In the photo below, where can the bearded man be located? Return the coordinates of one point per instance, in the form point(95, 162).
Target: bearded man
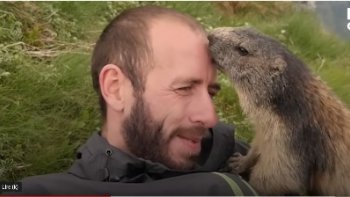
point(160, 135)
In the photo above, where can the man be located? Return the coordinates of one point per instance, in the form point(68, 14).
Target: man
point(155, 81)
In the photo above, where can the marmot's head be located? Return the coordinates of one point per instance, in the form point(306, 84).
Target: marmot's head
point(256, 64)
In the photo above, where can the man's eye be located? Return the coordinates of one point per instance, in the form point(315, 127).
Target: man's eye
point(212, 93)
point(213, 90)
point(186, 90)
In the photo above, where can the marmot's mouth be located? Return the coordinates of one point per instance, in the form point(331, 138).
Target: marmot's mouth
point(216, 64)
point(213, 61)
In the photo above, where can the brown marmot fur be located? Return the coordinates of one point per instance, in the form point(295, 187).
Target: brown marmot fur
point(302, 139)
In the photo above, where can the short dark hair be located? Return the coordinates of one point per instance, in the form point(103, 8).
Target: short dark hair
point(124, 42)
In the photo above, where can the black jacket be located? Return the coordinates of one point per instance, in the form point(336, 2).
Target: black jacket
point(101, 169)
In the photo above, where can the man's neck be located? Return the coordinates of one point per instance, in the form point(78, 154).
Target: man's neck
point(114, 136)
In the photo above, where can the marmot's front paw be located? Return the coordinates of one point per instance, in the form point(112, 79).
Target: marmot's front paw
point(237, 163)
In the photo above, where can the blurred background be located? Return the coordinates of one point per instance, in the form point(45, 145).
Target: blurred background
point(47, 104)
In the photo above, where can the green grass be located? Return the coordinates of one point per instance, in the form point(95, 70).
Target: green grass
point(47, 110)
point(47, 105)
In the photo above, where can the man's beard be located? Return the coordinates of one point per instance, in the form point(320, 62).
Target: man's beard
point(145, 137)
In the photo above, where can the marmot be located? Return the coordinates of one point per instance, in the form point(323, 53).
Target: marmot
point(302, 139)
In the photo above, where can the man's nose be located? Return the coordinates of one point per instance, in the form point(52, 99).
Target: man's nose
point(203, 112)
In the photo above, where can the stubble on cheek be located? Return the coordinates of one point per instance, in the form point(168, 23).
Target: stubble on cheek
point(149, 139)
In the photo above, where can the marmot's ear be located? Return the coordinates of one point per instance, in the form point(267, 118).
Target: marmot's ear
point(278, 64)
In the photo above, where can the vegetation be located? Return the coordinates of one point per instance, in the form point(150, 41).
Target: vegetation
point(47, 105)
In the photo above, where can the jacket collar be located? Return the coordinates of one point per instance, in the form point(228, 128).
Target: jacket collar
point(100, 161)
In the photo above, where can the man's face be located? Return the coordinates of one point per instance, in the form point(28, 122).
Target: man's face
point(168, 122)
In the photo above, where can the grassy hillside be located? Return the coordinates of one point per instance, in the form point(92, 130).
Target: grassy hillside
point(47, 105)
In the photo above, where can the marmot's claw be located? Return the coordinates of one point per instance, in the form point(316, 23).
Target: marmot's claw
point(236, 157)
point(236, 163)
point(237, 154)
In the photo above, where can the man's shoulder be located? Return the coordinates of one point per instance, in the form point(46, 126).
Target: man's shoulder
point(218, 147)
point(203, 183)
point(207, 184)
point(224, 128)
point(47, 184)
point(46, 177)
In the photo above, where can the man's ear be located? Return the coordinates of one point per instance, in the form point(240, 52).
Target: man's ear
point(111, 81)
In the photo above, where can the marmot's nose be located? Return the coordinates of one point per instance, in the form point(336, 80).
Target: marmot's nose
point(218, 34)
point(211, 38)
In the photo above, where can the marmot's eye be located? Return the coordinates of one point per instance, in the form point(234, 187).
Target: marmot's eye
point(242, 51)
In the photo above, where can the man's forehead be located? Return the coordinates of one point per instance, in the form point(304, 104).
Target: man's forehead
point(171, 26)
point(175, 44)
